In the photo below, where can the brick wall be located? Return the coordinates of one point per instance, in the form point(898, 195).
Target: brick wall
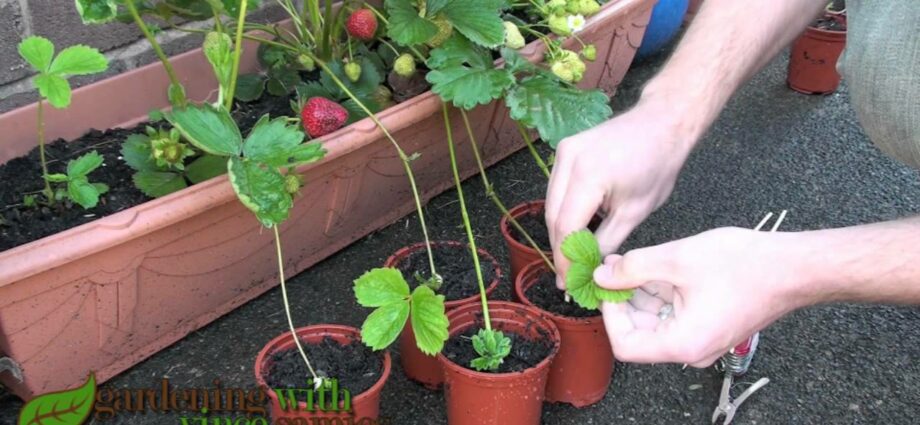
point(58, 21)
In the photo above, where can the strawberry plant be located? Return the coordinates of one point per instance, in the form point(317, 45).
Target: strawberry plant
point(78, 187)
point(582, 249)
point(53, 87)
point(164, 164)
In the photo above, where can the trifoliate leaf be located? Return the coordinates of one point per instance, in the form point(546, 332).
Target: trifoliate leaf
point(492, 346)
point(381, 286)
point(206, 167)
point(429, 322)
point(582, 249)
point(261, 189)
point(458, 50)
point(84, 165)
point(208, 128)
point(478, 20)
point(271, 142)
point(78, 60)
point(38, 52)
point(158, 183)
point(384, 324)
point(406, 27)
point(555, 109)
point(84, 193)
point(467, 87)
point(53, 88)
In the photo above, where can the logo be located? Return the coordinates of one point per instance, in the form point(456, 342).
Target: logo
point(69, 407)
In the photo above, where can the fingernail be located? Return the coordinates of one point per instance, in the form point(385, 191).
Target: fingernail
point(603, 274)
point(560, 282)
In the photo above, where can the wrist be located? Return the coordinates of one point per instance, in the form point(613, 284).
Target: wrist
point(672, 108)
point(805, 279)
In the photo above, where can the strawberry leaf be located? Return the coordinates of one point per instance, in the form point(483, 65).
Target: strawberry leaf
point(582, 249)
point(261, 189)
point(208, 128)
point(84, 193)
point(555, 109)
point(53, 88)
point(429, 322)
point(271, 141)
point(63, 407)
point(464, 74)
point(97, 11)
point(250, 87)
point(136, 153)
point(380, 287)
point(384, 324)
point(371, 77)
point(38, 52)
point(84, 165)
point(406, 27)
point(206, 167)
point(158, 183)
point(478, 20)
point(78, 60)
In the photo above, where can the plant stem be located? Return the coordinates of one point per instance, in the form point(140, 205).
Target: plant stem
point(238, 51)
point(466, 220)
point(41, 150)
point(132, 8)
point(533, 150)
point(287, 305)
point(317, 23)
point(490, 192)
point(327, 29)
point(399, 151)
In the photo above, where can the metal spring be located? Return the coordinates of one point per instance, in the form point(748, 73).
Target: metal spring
point(738, 364)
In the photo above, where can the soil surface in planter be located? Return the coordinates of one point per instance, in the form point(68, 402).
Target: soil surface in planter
point(525, 353)
point(356, 367)
point(545, 295)
point(454, 264)
point(535, 225)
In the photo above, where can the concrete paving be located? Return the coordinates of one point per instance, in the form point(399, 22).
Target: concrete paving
point(771, 149)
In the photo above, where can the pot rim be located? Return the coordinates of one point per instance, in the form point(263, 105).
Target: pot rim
point(400, 254)
point(520, 288)
point(322, 330)
point(520, 210)
point(535, 314)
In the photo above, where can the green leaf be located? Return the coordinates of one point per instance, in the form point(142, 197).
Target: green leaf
point(38, 52)
point(96, 11)
point(556, 110)
point(53, 88)
point(612, 296)
point(579, 283)
point(84, 165)
point(435, 6)
point(232, 7)
point(516, 63)
point(355, 112)
point(381, 286)
point(136, 153)
point(210, 129)
point(218, 50)
point(406, 27)
point(313, 89)
point(250, 87)
point(158, 183)
point(69, 407)
point(458, 50)
point(384, 324)
point(467, 87)
point(261, 189)
point(492, 346)
point(306, 153)
point(81, 191)
point(57, 178)
point(206, 167)
point(101, 187)
point(478, 20)
point(429, 321)
point(271, 142)
point(371, 77)
point(582, 247)
point(78, 60)
point(282, 81)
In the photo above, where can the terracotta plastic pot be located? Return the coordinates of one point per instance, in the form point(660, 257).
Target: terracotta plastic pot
point(418, 366)
point(106, 295)
point(363, 405)
point(521, 253)
point(478, 398)
point(581, 373)
point(813, 60)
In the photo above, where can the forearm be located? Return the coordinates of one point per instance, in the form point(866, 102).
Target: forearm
point(729, 41)
point(870, 263)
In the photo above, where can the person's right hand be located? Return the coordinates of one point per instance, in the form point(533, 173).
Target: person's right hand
point(624, 169)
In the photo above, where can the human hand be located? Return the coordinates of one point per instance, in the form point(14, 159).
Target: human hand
point(722, 286)
point(624, 168)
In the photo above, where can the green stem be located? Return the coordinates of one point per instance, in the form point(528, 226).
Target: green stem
point(132, 8)
point(399, 151)
point(41, 150)
point(327, 29)
point(238, 51)
point(317, 22)
point(490, 192)
point(287, 305)
point(533, 150)
point(466, 219)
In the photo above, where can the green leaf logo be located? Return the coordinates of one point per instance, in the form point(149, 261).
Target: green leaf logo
point(70, 407)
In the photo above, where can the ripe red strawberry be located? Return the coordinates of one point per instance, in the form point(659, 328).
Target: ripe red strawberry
point(362, 24)
point(322, 116)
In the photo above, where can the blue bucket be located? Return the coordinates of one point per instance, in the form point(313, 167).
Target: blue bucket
point(667, 17)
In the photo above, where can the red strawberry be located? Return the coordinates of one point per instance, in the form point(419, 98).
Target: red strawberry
point(362, 24)
point(322, 116)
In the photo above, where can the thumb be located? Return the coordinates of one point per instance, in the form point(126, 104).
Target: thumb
point(631, 270)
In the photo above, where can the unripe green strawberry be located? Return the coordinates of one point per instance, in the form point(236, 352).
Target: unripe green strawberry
point(445, 30)
point(306, 62)
point(568, 66)
point(404, 65)
point(513, 37)
point(589, 52)
point(559, 25)
point(383, 96)
point(292, 183)
point(583, 7)
point(353, 71)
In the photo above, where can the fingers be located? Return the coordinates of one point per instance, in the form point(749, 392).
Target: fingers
point(577, 210)
point(555, 195)
point(643, 301)
point(616, 228)
point(649, 341)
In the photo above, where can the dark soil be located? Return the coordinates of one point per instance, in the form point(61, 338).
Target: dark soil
point(356, 367)
point(830, 24)
point(454, 264)
point(535, 226)
point(545, 295)
point(525, 353)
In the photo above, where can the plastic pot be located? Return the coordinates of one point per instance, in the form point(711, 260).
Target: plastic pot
point(521, 253)
point(581, 373)
point(364, 405)
point(478, 398)
point(813, 60)
point(418, 366)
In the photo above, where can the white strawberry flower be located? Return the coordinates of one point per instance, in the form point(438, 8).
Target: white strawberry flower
point(575, 22)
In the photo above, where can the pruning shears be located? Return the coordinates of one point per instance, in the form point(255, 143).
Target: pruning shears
point(738, 360)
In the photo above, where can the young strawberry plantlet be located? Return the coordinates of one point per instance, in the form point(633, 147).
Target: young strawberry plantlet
point(79, 189)
point(165, 164)
point(582, 249)
point(53, 87)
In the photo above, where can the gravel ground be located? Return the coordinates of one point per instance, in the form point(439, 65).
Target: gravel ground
point(772, 149)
